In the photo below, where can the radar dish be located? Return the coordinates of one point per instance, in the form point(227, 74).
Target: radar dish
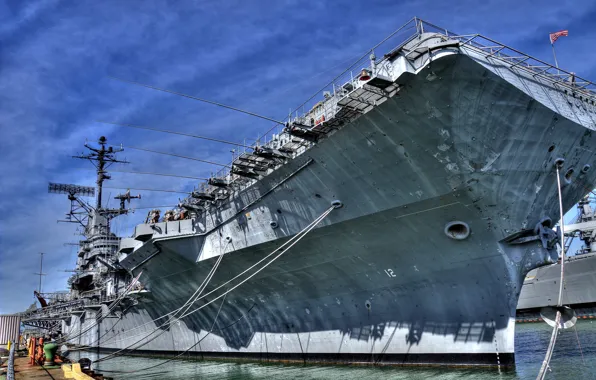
point(60, 188)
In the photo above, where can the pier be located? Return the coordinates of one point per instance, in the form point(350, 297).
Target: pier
point(24, 370)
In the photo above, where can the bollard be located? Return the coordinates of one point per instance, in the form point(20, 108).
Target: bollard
point(49, 350)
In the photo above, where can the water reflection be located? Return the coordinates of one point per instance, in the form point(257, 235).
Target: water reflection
point(531, 343)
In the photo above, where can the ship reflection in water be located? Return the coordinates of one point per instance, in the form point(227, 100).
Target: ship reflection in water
point(531, 341)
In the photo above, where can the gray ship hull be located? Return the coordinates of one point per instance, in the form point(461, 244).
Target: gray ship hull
point(541, 285)
point(379, 281)
point(334, 299)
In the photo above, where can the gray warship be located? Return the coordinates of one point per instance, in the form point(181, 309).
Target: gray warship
point(392, 223)
point(541, 284)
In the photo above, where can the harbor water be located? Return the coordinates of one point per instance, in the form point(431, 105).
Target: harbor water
point(531, 341)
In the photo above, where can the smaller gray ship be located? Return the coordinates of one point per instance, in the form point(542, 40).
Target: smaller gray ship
point(541, 285)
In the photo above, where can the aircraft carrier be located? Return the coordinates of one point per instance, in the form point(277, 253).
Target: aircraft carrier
point(392, 223)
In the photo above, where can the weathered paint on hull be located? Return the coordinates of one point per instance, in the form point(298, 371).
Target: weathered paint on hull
point(379, 281)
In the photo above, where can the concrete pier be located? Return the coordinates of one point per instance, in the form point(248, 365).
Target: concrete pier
point(26, 371)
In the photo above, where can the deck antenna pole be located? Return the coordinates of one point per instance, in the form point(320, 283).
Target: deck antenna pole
point(40, 270)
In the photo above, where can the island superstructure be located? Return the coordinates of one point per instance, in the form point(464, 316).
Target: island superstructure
point(414, 198)
point(97, 278)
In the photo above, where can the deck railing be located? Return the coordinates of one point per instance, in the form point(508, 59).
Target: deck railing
point(10, 365)
point(333, 91)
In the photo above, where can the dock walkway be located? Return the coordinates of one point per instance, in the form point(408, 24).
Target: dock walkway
point(26, 371)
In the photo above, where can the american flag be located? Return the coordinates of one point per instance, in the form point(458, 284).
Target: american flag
point(555, 36)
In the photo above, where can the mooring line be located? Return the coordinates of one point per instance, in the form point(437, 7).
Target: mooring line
point(291, 243)
point(553, 338)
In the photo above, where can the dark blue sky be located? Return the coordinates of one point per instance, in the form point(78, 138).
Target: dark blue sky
point(266, 56)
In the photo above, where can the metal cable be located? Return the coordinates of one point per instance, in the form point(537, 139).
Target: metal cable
point(291, 243)
point(308, 162)
point(201, 100)
point(346, 70)
point(176, 155)
point(158, 174)
point(115, 303)
point(209, 275)
point(264, 266)
point(174, 133)
point(191, 300)
point(579, 345)
point(157, 190)
point(158, 318)
point(234, 278)
point(188, 349)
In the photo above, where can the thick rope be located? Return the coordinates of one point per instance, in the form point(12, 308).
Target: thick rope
point(191, 300)
point(293, 242)
point(102, 316)
point(553, 338)
point(264, 266)
point(209, 276)
point(185, 351)
point(156, 319)
point(234, 278)
point(92, 344)
point(579, 345)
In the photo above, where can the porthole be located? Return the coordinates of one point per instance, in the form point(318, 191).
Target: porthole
point(457, 230)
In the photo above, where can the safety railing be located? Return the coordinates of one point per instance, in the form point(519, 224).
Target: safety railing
point(52, 311)
point(332, 92)
point(416, 27)
point(329, 95)
point(61, 296)
point(515, 59)
point(334, 89)
point(64, 310)
point(10, 365)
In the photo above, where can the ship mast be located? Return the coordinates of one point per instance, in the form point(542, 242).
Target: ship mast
point(101, 158)
point(100, 244)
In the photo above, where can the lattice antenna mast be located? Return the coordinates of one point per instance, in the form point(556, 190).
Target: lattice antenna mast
point(101, 158)
point(79, 209)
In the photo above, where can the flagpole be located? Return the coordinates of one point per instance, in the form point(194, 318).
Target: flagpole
point(555, 55)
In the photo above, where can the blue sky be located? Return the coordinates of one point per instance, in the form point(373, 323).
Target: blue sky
point(56, 59)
